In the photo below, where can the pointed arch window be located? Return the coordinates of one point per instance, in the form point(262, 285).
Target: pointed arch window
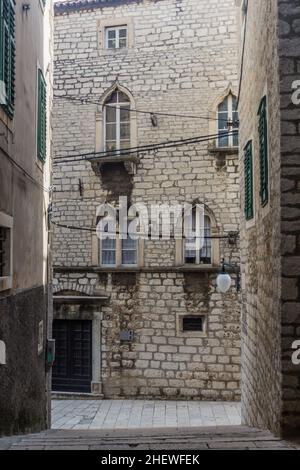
point(227, 112)
point(117, 135)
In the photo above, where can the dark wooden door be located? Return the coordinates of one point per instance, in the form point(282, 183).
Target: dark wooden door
point(72, 371)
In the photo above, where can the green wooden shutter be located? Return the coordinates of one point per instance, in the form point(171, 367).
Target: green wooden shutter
point(248, 164)
point(42, 117)
point(263, 152)
point(8, 52)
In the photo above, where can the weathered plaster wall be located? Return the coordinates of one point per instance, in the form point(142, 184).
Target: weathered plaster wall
point(23, 378)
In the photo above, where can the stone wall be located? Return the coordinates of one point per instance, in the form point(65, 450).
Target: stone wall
point(183, 59)
point(260, 238)
point(270, 317)
point(289, 68)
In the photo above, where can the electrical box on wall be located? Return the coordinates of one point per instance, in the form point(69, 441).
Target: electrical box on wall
point(127, 336)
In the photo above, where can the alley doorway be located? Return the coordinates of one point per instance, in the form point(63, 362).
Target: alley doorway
point(72, 370)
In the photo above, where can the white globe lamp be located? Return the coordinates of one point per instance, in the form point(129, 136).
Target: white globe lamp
point(223, 280)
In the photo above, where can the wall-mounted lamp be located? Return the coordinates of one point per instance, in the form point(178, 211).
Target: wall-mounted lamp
point(224, 279)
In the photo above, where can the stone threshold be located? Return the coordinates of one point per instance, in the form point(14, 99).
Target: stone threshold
point(75, 396)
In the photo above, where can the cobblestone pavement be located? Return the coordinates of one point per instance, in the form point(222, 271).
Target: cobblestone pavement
point(133, 414)
point(211, 438)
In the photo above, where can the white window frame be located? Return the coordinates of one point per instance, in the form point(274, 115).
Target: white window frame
point(117, 30)
point(118, 107)
point(198, 252)
point(6, 281)
point(119, 255)
point(230, 118)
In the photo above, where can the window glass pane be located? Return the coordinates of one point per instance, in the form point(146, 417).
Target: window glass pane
point(111, 33)
point(204, 256)
point(109, 251)
point(223, 141)
point(122, 98)
point(108, 244)
point(123, 33)
point(109, 257)
point(124, 115)
point(122, 43)
point(112, 44)
point(111, 114)
point(205, 253)
point(111, 132)
point(113, 98)
point(223, 120)
point(125, 131)
point(224, 105)
point(129, 251)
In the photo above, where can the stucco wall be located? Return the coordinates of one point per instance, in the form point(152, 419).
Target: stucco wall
point(22, 378)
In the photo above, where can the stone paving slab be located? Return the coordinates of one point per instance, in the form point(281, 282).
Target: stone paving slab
point(210, 438)
point(134, 414)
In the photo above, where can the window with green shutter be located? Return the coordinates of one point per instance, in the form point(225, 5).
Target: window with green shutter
point(263, 151)
point(7, 54)
point(248, 163)
point(41, 117)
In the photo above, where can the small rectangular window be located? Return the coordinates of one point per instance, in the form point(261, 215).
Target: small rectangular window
point(116, 37)
point(263, 151)
point(192, 323)
point(248, 165)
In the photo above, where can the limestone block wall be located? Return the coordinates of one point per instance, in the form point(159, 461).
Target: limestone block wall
point(182, 59)
point(289, 50)
point(260, 238)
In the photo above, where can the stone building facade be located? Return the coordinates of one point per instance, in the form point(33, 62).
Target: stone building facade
point(25, 307)
point(270, 232)
point(132, 322)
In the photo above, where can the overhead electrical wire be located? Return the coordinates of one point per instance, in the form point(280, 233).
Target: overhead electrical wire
point(28, 175)
point(133, 110)
point(92, 156)
point(117, 232)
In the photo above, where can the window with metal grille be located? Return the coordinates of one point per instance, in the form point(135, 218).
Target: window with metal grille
point(7, 55)
point(248, 164)
point(263, 151)
point(42, 117)
point(192, 323)
point(3, 251)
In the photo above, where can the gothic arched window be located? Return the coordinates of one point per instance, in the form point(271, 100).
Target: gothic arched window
point(117, 121)
point(227, 112)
